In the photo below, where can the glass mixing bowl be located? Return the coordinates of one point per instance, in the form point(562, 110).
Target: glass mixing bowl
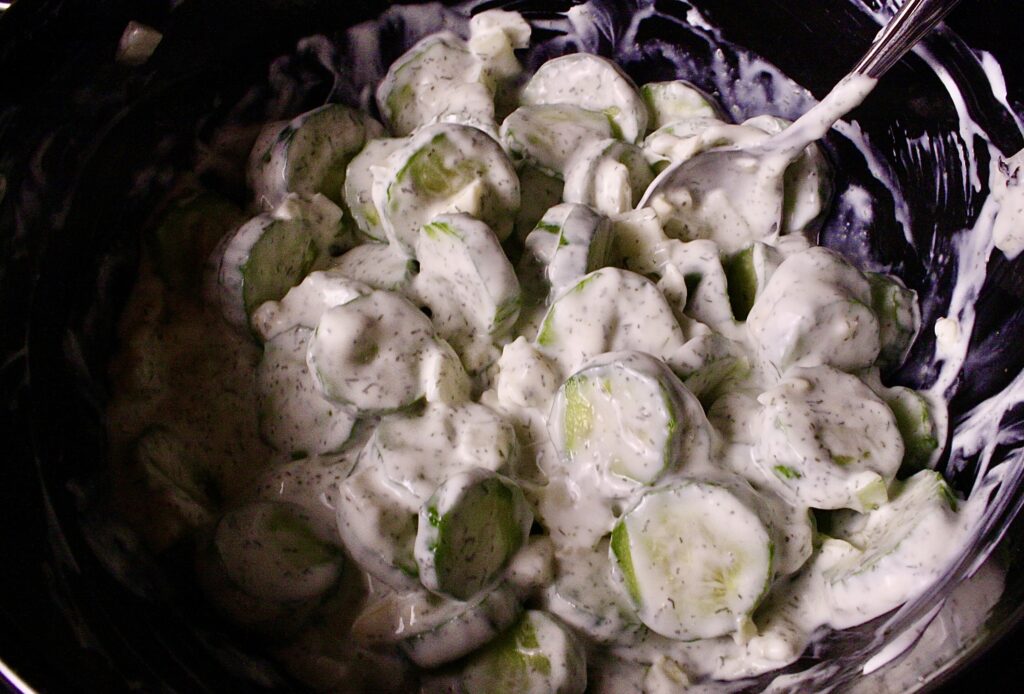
point(89, 146)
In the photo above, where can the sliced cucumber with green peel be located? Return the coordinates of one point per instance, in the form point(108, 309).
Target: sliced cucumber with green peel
point(358, 189)
point(269, 550)
point(539, 192)
point(331, 232)
point(682, 139)
point(569, 241)
point(815, 309)
point(807, 183)
point(828, 439)
point(747, 273)
point(584, 596)
point(608, 310)
point(369, 353)
point(695, 558)
point(468, 283)
point(294, 417)
point(313, 484)
point(261, 151)
point(627, 415)
point(668, 102)
point(494, 37)
point(700, 265)
point(433, 629)
point(538, 654)
point(378, 528)
point(186, 234)
point(584, 244)
point(921, 423)
point(608, 175)
point(468, 531)
point(378, 265)
point(437, 80)
point(304, 303)
point(418, 451)
point(454, 628)
point(742, 280)
point(899, 317)
point(904, 546)
point(447, 169)
point(592, 83)
point(265, 258)
point(310, 155)
point(549, 135)
point(710, 365)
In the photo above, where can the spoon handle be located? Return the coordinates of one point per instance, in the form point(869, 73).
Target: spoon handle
point(914, 19)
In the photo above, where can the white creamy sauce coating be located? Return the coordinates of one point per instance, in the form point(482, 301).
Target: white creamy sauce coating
point(360, 358)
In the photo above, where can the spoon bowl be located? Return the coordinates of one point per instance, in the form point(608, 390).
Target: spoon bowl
point(740, 187)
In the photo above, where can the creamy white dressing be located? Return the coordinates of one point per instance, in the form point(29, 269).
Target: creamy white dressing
point(373, 352)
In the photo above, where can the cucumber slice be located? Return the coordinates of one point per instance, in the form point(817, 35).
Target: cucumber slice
point(699, 263)
point(269, 551)
point(358, 189)
point(668, 102)
point(828, 439)
point(549, 135)
point(539, 192)
point(262, 149)
point(409, 96)
point(899, 317)
point(265, 258)
point(584, 596)
point(815, 310)
point(710, 365)
point(625, 414)
point(680, 140)
point(378, 265)
point(538, 251)
point(539, 654)
point(921, 424)
point(447, 168)
point(187, 233)
point(494, 37)
point(583, 244)
point(378, 528)
point(304, 303)
point(310, 155)
point(434, 630)
point(592, 83)
point(807, 183)
point(904, 546)
point(369, 353)
point(608, 310)
point(741, 276)
point(418, 452)
point(532, 568)
point(524, 377)
point(469, 285)
point(747, 273)
point(311, 484)
point(444, 378)
point(326, 220)
point(294, 418)
point(688, 576)
point(608, 175)
point(468, 531)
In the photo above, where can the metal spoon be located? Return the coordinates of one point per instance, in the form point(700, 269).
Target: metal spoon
point(740, 186)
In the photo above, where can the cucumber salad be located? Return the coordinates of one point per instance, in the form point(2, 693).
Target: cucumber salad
point(450, 412)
